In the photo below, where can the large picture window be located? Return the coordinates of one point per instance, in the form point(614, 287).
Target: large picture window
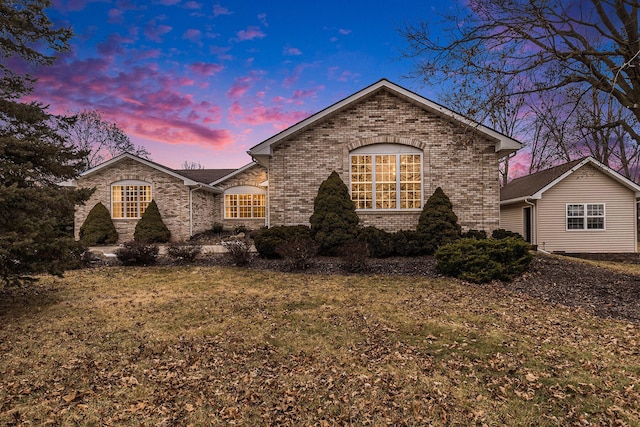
point(129, 199)
point(386, 181)
point(585, 216)
point(245, 202)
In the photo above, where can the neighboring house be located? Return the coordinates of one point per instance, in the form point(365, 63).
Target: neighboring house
point(580, 206)
point(391, 147)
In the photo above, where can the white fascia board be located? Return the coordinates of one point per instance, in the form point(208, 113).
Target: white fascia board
point(519, 200)
point(232, 174)
point(206, 187)
point(146, 162)
point(504, 143)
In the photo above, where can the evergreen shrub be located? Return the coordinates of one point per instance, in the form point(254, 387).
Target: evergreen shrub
point(501, 233)
point(354, 256)
point(267, 240)
point(438, 223)
point(98, 228)
point(150, 228)
point(137, 253)
point(334, 220)
point(474, 234)
point(408, 243)
point(379, 243)
point(484, 260)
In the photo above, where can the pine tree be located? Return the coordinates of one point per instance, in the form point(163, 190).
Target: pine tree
point(334, 220)
point(98, 228)
point(151, 228)
point(34, 158)
point(438, 223)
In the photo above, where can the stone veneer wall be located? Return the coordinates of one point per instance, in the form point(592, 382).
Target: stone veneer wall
point(457, 159)
point(170, 194)
point(252, 176)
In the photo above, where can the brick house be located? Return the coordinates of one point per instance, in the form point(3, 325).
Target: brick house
point(391, 147)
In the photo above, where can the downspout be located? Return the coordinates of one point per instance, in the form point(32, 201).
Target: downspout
point(191, 212)
point(268, 224)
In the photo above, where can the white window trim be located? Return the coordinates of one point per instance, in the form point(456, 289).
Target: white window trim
point(388, 150)
point(585, 217)
point(124, 183)
point(244, 190)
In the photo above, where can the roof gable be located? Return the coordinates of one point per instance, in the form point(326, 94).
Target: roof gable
point(503, 145)
point(534, 185)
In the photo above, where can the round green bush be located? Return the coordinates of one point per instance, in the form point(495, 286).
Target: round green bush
point(268, 240)
point(379, 243)
point(151, 228)
point(408, 243)
point(482, 261)
point(98, 229)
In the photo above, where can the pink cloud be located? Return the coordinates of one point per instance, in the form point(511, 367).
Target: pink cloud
point(193, 35)
point(262, 115)
point(219, 10)
point(291, 51)
point(205, 69)
point(192, 5)
point(155, 32)
point(112, 45)
point(334, 73)
point(250, 33)
point(344, 32)
point(263, 19)
point(169, 2)
point(115, 16)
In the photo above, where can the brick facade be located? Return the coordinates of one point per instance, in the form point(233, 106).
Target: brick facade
point(253, 176)
point(461, 161)
point(169, 192)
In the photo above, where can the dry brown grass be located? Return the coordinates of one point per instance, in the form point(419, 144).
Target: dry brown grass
point(212, 346)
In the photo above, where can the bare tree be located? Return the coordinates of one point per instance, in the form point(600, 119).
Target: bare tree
point(579, 48)
point(191, 165)
point(101, 139)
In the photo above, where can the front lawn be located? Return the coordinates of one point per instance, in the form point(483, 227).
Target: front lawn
point(221, 345)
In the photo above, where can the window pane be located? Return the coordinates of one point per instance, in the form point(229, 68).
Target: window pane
point(231, 205)
point(117, 205)
point(575, 223)
point(596, 223)
point(575, 210)
point(410, 182)
point(361, 181)
point(595, 210)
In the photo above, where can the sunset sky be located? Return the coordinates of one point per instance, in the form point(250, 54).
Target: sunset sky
point(201, 81)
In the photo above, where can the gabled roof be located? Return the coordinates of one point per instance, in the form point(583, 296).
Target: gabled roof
point(534, 185)
point(188, 178)
point(504, 144)
point(204, 175)
point(233, 172)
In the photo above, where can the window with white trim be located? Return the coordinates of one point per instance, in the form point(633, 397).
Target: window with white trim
point(129, 199)
point(386, 176)
point(245, 202)
point(585, 216)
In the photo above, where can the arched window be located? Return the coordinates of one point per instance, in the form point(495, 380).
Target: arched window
point(245, 201)
point(129, 199)
point(386, 176)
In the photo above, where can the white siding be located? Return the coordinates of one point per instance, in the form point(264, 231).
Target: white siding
point(511, 217)
point(587, 185)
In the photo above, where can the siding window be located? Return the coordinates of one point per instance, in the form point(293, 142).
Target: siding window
point(585, 216)
point(129, 199)
point(386, 181)
point(244, 205)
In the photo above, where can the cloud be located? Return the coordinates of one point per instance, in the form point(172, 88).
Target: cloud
point(260, 114)
point(263, 19)
point(193, 35)
point(205, 69)
point(192, 5)
point(219, 10)
point(240, 86)
point(113, 45)
point(250, 33)
point(115, 16)
point(291, 51)
point(344, 32)
point(334, 73)
point(155, 32)
point(169, 2)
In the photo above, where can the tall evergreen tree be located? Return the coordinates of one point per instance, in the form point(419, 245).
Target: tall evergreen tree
point(438, 223)
point(151, 228)
point(34, 158)
point(334, 220)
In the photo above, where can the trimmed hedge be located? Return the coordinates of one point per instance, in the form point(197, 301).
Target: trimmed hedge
point(379, 243)
point(484, 260)
point(267, 241)
point(98, 228)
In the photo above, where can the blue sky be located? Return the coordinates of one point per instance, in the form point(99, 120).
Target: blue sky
point(201, 81)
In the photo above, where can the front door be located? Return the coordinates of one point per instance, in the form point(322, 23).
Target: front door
point(527, 224)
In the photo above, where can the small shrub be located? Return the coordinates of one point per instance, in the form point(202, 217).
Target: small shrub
point(267, 240)
point(379, 242)
point(501, 233)
point(481, 261)
point(240, 228)
point(137, 253)
point(217, 227)
point(438, 223)
point(334, 220)
point(238, 249)
point(150, 228)
point(354, 256)
point(98, 228)
point(474, 234)
point(298, 252)
point(408, 243)
point(183, 252)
